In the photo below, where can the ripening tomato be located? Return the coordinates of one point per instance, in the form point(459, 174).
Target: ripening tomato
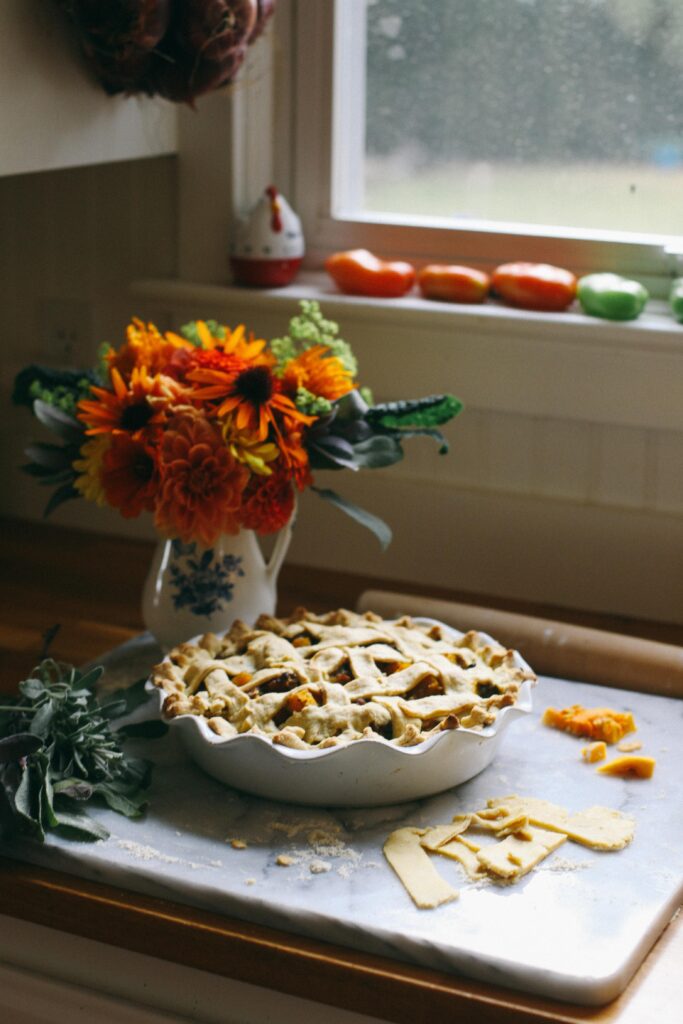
point(538, 286)
point(359, 272)
point(452, 283)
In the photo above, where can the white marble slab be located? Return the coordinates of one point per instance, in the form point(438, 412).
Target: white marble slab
point(575, 929)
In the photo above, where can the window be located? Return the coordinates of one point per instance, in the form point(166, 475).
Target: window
point(484, 130)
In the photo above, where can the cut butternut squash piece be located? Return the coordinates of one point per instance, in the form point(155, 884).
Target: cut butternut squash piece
point(594, 723)
point(594, 752)
point(630, 764)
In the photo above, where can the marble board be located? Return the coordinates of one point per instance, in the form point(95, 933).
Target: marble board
point(575, 929)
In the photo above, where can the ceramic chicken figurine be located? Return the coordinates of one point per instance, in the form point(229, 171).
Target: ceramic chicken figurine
point(268, 244)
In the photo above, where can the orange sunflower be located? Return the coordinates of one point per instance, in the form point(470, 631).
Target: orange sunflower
point(89, 468)
point(201, 483)
point(234, 342)
point(129, 475)
point(321, 374)
point(131, 407)
point(146, 347)
point(253, 395)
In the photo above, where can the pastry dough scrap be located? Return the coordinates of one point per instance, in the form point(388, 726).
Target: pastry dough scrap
point(598, 827)
point(419, 877)
point(514, 857)
point(465, 853)
point(601, 828)
point(539, 812)
point(439, 835)
point(312, 681)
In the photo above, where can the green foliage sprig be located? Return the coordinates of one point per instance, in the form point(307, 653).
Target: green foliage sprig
point(310, 328)
point(58, 751)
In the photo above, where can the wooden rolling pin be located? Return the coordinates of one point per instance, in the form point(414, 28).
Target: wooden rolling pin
point(552, 648)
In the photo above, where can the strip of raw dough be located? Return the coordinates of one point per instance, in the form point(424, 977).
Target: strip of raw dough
point(441, 834)
point(424, 884)
point(465, 853)
point(539, 812)
point(498, 820)
point(514, 857)
point(601, 828)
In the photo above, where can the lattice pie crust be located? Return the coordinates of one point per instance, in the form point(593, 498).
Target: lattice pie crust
point(314, 681)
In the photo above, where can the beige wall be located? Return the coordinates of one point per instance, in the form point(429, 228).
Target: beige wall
point(71, 243)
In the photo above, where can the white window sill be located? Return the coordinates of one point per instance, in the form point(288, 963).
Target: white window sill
point(656, 328)
point(564, 365)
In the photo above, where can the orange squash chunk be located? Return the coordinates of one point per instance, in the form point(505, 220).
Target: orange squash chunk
point(596, 751)
point(642, 767)
point(594, 723)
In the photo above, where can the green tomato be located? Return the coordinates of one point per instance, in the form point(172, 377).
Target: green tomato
point(611, 296)
point(676, 299)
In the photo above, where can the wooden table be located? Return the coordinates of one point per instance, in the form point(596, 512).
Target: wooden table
point(90, 585)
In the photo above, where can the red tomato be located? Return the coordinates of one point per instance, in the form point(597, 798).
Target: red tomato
point(359, 272)
point(452, 283)
point(534, 286)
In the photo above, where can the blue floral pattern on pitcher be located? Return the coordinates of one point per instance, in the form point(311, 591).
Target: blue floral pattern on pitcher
point(203, 583)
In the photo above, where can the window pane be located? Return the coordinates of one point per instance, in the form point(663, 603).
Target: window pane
point(544, 112)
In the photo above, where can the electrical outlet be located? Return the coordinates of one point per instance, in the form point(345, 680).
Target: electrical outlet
point(64, 332)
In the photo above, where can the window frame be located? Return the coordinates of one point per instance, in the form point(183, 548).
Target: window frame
point(321, 112)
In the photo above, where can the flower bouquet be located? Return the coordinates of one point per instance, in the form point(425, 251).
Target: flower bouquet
point(214, 431)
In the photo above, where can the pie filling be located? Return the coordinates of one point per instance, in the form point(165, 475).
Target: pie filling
point(315, 681)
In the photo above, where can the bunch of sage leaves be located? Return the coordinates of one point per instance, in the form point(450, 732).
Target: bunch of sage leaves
point(58, 751)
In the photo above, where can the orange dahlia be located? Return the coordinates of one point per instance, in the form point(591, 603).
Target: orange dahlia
point(320, 373)
point(129, 407)
point(145, 346)
point(201, 483)
point(268, 502)
point(129, 475)
point(253, 395)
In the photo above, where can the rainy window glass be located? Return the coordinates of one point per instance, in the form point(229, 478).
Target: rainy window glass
point(544, 112)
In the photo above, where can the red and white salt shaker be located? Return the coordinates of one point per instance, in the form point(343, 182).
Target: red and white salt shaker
point(268, 244)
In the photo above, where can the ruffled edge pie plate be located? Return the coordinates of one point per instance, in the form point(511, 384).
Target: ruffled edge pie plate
point(362, 772)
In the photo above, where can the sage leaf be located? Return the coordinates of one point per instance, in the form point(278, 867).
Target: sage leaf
point(378, 451)
point(365, 518)
point(13, 748)
point(66, 427)
point(75, 789)
point(42, 720)
point(121, 803)
point(80, 826)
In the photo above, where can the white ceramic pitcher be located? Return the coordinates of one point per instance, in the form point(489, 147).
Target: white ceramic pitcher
point(192, 590)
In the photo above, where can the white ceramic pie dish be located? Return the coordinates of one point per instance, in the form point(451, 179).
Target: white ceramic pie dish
point(362, 773)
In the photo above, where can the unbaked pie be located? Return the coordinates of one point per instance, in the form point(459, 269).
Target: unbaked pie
point(315, 681)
